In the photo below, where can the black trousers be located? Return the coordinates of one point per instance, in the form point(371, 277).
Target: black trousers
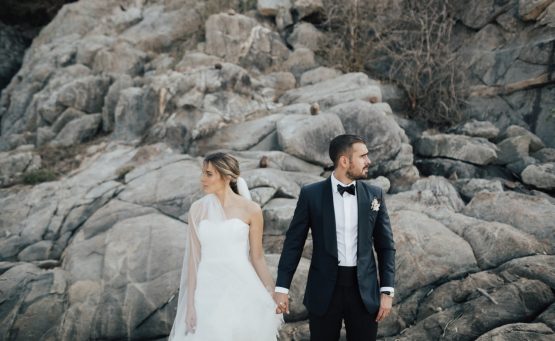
point(347, 305)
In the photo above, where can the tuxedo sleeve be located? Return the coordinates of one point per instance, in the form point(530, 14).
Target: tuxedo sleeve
point(384, 246)
point(294, 243)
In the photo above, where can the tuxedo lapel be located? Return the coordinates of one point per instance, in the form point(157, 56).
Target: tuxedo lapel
point(363, 203)
point(330, 234)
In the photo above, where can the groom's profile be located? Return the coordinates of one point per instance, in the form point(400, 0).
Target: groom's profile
point(348, 220)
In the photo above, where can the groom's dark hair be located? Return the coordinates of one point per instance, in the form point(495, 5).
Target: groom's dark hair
point(341, 145)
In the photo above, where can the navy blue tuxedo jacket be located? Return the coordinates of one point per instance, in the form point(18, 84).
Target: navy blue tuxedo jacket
point(315, 211)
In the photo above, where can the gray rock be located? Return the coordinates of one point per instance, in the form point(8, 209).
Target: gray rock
point(428, 251)
point(459, 147)
point(342, 89)
point(440, 186)
point(305, 35)
point(172, 188)
point(293, 109)
point(261, 195)
point(545, 155)
point(277, 215)
point(519, 331)
point(381, 182)
point(263, 49)
point(288, 184)
point(492, 243)
point(383, 135)
point(318, 75)
point(308, 137)
point(14, 164)
point(85, 94)
point(537, 267)
point(530, 214)
point(513, 131)
point(476, 128)
point(532, 10)
point(305, 8)
point(279, 81)
point(455, 292)
point(12, 50)
point(447, 167)
point(517, 301)
point(541, 176)
point(513, 149)
point(225, 34)
point(300, 61)
point(68, 115)
point(234, 137)
point(271, 7)
point(276, 159)
point(296, 291)
point(38, 251)
point(120, 58)
point(403, 159)
point(133, 113)
point(193, 60)
point(37, 293)
point(469, 187)
point(480, 13)
point(111, 101)
point(402, 179)
point(78, 130)
point(520, 164)
point(548, 317)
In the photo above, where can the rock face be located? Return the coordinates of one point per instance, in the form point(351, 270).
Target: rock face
point(474, 150)
point(307, 137)
point(152, 86)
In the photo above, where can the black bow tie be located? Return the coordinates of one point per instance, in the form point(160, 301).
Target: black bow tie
point(349, 189)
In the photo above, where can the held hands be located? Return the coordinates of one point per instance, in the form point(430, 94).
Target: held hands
point(282, 301)
point(190, 320)
point(386, 302)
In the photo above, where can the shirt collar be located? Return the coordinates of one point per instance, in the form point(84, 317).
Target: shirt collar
point(335, 182)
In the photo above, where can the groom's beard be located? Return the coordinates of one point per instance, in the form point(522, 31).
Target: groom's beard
point(362, 175)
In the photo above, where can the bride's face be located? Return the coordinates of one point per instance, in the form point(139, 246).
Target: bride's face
point(211, 180)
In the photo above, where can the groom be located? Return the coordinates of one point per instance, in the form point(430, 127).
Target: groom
point(347, 218)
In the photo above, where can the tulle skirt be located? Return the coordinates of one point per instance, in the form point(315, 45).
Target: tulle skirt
point(231, 304)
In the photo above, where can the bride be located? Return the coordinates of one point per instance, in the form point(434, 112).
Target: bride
point(226, 288)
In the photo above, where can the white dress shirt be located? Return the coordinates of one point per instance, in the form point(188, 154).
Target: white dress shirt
point(346, 226)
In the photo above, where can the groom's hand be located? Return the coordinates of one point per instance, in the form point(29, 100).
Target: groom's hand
point(386, 303)
point(282, 301)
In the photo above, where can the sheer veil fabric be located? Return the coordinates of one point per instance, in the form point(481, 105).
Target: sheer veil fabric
point(209, 213)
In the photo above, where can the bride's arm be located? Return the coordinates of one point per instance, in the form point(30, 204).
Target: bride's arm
point(257, 250)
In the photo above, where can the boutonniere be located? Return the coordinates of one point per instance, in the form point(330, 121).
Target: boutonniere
point(375, 205)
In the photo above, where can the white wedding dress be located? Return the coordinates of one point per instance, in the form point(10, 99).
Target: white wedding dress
point(231, 301)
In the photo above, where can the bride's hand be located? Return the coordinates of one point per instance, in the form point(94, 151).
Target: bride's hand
point(191, 320)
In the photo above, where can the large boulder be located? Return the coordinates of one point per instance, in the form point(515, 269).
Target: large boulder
point(541, 176)
point(78, 131)
point(234, 137)
point(383, 135)
point(530, 214)
point(459, 147)
point(519, 331)
point(308, 137)
point(238, 38)
point(427, 251)
point(14, 164)
point(345, 88)
point(277, 215)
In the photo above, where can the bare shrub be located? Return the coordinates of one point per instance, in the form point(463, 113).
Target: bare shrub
point(407, 42)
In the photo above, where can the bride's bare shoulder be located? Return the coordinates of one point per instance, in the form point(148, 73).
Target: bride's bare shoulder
point(250, 206)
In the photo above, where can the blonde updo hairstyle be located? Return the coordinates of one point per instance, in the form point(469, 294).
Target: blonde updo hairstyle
point(226, 165)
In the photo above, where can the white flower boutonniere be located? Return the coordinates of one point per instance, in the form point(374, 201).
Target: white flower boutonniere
point(375, 206)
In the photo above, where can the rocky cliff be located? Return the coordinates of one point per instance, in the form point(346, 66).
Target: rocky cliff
point(120, 101)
